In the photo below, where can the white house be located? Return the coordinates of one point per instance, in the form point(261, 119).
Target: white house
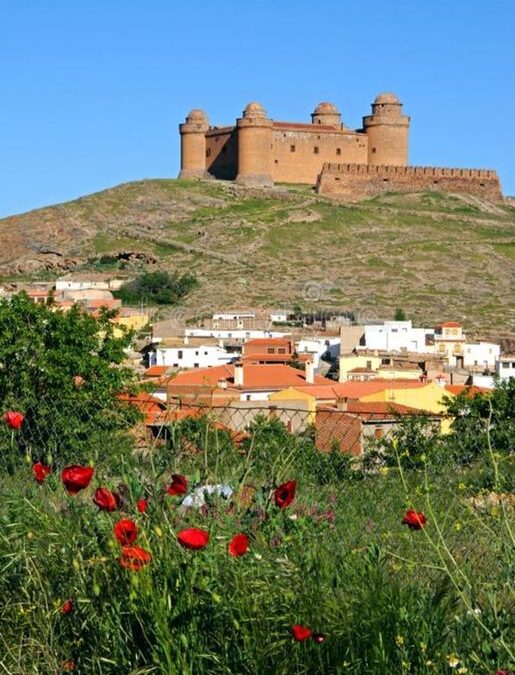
point(396, 336)
point(505, 367)
point(184, 356)
point(89, 280)
point(483, 354)
point(317, 347)
point(280, 316)
point(232, 334)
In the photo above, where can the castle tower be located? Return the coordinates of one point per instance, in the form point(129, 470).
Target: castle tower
point(328, 114)
point(193, 145)
point(387, 131)
point(255, 144)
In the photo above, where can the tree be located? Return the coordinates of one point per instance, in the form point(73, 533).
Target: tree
point(400, 314)
point(161, 288)
point(63, 371)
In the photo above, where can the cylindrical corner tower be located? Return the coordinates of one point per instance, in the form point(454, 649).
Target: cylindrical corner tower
point(387, 131)
point(193, 145)
point(255, 145)
point(328, 114)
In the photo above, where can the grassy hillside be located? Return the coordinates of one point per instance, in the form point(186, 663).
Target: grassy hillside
point(437, 256)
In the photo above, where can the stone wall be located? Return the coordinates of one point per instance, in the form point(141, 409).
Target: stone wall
point(222, 152)
point(354, 182)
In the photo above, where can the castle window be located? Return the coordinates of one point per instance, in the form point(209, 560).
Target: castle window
point(292, 148)
point(338, 151)
point(276, 161)
point(373, 151)
point(481, 185)
point(385, 180)
point(208, 152)
point(315, 149)
point(336, 178)
point(435, 182)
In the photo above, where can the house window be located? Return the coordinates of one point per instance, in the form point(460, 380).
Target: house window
point(369, 365)
point(378, 433)
point(179, 354)
point(315, 149)
point(281, 350)
point(292, 148)
point(270, 350)
point(196, 353)
point(338, 151)
point(195, 365)
point(247, 397)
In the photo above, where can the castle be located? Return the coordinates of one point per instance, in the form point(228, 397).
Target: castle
point(339, 161)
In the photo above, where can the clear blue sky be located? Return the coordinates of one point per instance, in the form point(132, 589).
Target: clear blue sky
point(92, 91)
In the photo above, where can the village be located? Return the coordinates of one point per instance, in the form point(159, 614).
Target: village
point(350, 382)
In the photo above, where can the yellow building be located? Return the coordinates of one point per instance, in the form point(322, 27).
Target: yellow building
point(428, 398)
point(351, 362)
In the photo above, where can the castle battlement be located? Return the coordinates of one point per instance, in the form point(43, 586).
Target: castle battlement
point(350, 163)
point(432, 171)
point(353, 182)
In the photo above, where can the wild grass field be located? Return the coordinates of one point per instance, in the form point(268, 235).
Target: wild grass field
point(331, 575)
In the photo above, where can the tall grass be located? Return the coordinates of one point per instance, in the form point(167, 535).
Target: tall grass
point(388, 600)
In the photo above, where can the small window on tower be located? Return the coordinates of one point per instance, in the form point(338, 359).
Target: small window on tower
point(208, 152)
point(338, 151)
point(315, 149)
point(292, 148)
point(373, 151)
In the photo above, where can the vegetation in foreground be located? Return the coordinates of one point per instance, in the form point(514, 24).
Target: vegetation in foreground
point(130, 564)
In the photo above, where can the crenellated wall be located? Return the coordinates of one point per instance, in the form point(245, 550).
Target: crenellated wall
point(354, 182)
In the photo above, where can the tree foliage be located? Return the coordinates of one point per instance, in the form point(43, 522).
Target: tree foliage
point(162, 288)
point(63, 371)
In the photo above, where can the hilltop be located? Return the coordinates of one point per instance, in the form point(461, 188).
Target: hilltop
point(437, 256)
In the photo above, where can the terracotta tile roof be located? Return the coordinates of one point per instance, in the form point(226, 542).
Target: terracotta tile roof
point(156, 371)
point(448, 324)
point(342, 431)
point(457, 389)
point(305, 126)
point(277, 358)
point(276, 342)
point(355, 390)
point(255, 376)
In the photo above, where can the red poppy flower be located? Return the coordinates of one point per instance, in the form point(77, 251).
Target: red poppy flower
point(300, 633)
point(106, 500)
point(134, 558)
point(239, 545)
point(285, 494)
point(67, 607)
point(13, 419)
point(142, 505)
point(41, 471)
point(76, 478)
point(126, 531)
point(502, 672)
point(193, 538)
point(178, 486)
point(415, 520)
point(68, 665)
point(318, 638)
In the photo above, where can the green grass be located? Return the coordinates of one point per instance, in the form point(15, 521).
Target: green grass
point(389, 601)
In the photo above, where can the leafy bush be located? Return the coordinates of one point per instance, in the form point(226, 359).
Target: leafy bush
point(62, 370)
point(161, 288)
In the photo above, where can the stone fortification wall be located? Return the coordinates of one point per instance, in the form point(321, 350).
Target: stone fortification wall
point(354, 182)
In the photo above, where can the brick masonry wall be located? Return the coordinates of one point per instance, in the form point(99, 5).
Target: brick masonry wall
point(299, 154)
point(354, 182)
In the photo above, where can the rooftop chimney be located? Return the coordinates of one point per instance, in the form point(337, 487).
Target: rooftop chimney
point(238, 374)
point(310, 372)
point(341, 404)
